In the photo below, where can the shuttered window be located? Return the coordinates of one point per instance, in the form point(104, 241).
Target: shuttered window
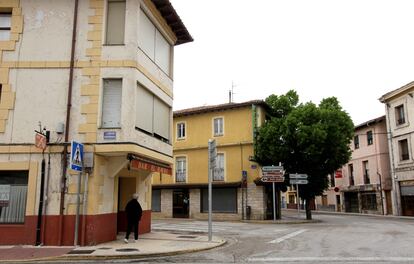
point(5, 26)
point(111, 103)
point(152, 114)
point(153, 43)
point(115, 23)
point(144, 109)
point(224, 200)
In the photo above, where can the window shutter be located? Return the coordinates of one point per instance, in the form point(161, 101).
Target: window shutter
point(115, 24)
point(162, 53)
point(161, 118)
point(144, 109)
point(146, 35)
point(111, 106)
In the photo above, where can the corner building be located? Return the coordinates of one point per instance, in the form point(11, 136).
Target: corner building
point(96, 71)
point(235, 193)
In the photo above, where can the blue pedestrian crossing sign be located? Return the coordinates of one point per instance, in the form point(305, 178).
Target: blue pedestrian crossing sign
point(76, 156)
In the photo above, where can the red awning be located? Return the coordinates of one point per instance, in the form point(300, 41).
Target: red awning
point(153, 166)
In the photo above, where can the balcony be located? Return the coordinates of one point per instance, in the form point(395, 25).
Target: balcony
point(180, 176)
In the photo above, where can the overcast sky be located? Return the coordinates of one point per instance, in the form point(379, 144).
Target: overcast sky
point(356, 50)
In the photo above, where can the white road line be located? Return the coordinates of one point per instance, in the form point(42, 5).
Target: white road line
point(333, 259)
point(283, 238)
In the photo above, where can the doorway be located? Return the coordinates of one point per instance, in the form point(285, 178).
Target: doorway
point(181, 203)
point(126, 188)
point(351, 202)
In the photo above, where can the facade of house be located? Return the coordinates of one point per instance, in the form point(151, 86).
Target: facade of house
point(399, 107)
point(235, 194)
point(97, 72)
point(363, 185)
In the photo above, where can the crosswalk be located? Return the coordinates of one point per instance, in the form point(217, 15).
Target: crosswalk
point(197, 226)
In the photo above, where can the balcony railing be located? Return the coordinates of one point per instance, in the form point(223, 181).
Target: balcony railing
point(218, 174)
point(180, 176)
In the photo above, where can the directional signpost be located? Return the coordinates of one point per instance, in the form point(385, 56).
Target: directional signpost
point(212, 154)
point(273, 174)
point(297, 179)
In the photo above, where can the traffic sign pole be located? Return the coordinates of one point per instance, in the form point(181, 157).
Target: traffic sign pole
point(274, 202)
point(212, 153)
point(76, 242)
point(297, 194)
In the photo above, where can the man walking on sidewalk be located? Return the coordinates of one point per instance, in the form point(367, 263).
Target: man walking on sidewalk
point(133, 212)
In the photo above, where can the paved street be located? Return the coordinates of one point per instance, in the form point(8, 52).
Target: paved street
point(336, 239)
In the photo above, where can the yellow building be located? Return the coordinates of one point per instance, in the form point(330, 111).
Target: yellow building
point(99, 72)
point(233, 126)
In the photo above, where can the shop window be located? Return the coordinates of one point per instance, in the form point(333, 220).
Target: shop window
point(156, 200)
point(224, 201)
point(5, 26)
point(180, 169)
point(111, 103)
point(13, 196)
point(403, 149)
point(369, 201)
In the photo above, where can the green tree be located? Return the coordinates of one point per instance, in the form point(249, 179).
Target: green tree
point(306, 138)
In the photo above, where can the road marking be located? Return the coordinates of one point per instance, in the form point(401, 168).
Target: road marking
point(283, 238)
point(333, 259)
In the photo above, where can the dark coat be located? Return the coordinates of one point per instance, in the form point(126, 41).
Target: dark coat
point(133, 210)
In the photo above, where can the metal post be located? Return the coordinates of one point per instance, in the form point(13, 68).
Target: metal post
point(77, 209)
point(274, 202)
point(210, 205)
point(297, 195)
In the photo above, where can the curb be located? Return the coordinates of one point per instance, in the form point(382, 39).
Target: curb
point(281, 222)
point(356, 214)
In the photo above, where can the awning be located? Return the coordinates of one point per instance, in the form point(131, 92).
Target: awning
point(139, 163)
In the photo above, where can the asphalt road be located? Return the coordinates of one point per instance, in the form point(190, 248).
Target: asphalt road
point(336, 239)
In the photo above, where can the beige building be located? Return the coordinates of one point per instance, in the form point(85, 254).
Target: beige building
point(399, 107)
point(96, 71)
point(237, 192)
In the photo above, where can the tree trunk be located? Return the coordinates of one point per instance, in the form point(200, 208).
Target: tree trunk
point(308, 209)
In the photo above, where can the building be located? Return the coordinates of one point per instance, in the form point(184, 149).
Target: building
point(399, 106)
point(233, 126)
point(363, 185)
point(96, 71)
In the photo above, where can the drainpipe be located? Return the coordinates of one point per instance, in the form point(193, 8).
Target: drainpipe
point(69, 105)
point(396, 204)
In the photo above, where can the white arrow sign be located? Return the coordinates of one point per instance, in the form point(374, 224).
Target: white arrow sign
point(298, 181)
point(298, 176)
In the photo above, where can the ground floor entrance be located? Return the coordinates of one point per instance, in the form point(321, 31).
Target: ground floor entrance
point(351, 202)
point(181, 203)
point(407, 200)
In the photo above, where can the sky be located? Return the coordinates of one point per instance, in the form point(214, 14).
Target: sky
point(355, 50)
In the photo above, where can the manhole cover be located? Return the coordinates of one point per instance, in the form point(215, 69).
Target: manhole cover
point(127, 249)
point(80, 251)
point(186, 237)
point(104, 248)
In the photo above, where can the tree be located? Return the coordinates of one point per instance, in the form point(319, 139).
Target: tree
point(306, 138)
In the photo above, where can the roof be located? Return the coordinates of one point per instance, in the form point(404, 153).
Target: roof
point(173, 20)
point(371, 122)
point(219, 107)
point(396, 92)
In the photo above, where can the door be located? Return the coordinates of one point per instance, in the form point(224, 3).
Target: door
point(181, 203)
point(389, 202)
point(407, 200)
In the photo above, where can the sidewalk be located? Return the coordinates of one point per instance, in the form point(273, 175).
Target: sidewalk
point(156, 243)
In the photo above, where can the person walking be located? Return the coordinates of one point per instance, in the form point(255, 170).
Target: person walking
point(133, 212)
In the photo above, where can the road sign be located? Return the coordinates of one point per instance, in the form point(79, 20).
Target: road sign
point(40, 141)
point(212, 150)
point(76, 156)
point(272, 168)
point(272, 179)
point(298, 181)
point(298, 176)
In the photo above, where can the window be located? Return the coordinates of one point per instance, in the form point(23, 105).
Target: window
point(13, 191)
point(218, 124)
point(399, 115)
point(369, 201)
point(180, 130)
point(156, 201)
point(111, 103)
point(356, 142)
point(152, 114)
point(369, 138)
point(115, 22)
point(5, 26)
point(225, 200)
point(332, 179)
point(366, 172)
point(153, 43)
point(219, 170)
point(403, 148)
point(351, 174)
point(180, 169)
